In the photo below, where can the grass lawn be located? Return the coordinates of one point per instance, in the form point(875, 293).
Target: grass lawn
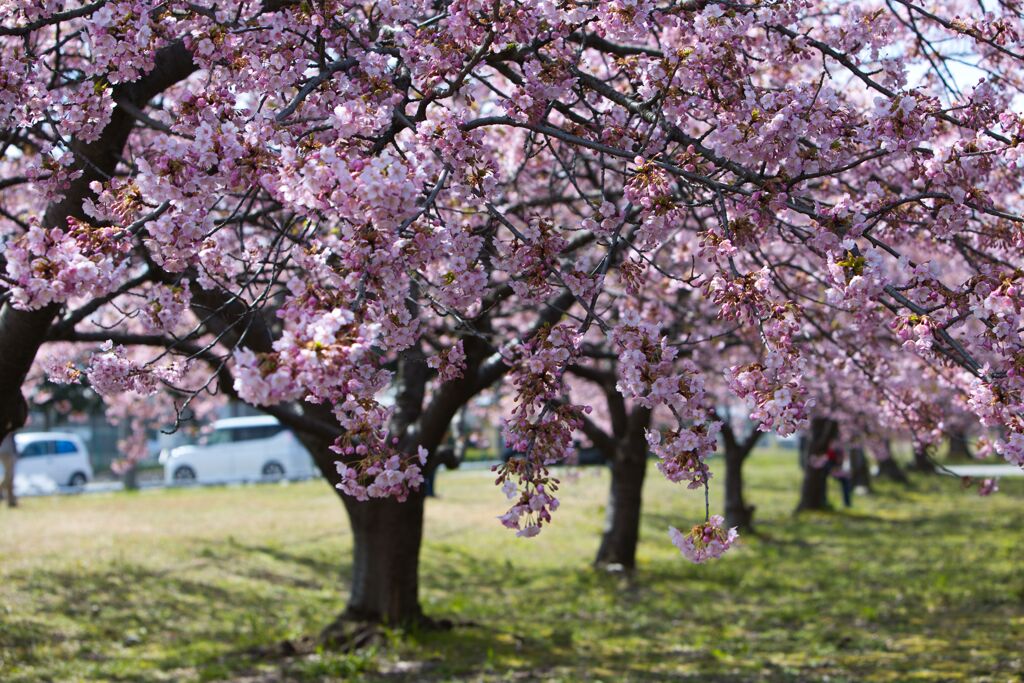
point(920, 584)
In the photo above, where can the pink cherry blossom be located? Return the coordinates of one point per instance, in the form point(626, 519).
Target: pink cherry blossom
point(704, 542)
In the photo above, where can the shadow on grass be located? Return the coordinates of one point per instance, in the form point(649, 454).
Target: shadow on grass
point(841, 595)
point(741, 621)
point(903, 589)
point(204, 627)
point(317, 565)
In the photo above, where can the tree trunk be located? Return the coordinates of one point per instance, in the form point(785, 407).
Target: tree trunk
point(626, 453)
point(922, 462)
point(385, 564)
point(814, 491)
point(737, 512)
point(860, 471)
point(131, 478)
point(888, 468)
point(622, 521)
point(386, 539)
point(959, 448)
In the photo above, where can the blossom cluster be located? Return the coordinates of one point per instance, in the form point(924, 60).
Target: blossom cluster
point(111, 372)
point(773, 386)
point(540, 427)
point(450, 363)
point(166, 307)
point(47, 266)
point(394, 476)
point(706, 541)
point(650, 373)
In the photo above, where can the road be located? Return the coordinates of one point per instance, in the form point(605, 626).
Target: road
point(993, 471)
point(154, 480)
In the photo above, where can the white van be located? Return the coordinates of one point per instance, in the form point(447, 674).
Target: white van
point(240, 449)
point(57, 457)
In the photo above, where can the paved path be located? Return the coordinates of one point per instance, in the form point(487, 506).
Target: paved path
point(987, 470)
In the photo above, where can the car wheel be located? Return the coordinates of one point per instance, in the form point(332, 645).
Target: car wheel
point(77, 480)
point(273, 470)
point(184, 475)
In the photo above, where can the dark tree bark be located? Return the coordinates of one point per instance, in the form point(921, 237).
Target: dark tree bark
point(386, 539)
point(959, 446)
point(860, 470)
point(922, 461)
point(625, 451)
point(621, 534)
point(131, 478)
point(737, 512)
point(387, 536)
point(814, 490)
point(888, 468)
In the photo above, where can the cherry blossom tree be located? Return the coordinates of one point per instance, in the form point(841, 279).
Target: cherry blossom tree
point(322, 204)
point(702, 346)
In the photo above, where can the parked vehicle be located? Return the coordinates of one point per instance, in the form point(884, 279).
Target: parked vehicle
point(49, 459)
point(240, 449)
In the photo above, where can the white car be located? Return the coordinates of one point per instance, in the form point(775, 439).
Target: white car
point(50, 459)
point(240, 449)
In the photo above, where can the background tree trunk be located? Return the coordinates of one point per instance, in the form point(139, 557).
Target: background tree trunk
point(131, 478)
point(814, 491)
point(922, 462)
point(625, 499)
point(860, 470)
point(737, 513)
point(888, 468)
point(627, 456)
point(959, 446)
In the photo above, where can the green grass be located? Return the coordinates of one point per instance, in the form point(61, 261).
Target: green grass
point(921, 584)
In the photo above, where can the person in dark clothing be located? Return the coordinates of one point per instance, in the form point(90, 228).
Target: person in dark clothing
point(9, 451)
point(835, 466)
point(8, 459)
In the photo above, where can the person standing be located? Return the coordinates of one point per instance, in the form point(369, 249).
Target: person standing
point(838, 466)
point(9, 451)
point(8, 457)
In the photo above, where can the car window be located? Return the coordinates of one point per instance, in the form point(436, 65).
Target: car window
point(236, 434)
point(221, 436)
point(64, 447)
point(37, 449)
point(253, 433)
